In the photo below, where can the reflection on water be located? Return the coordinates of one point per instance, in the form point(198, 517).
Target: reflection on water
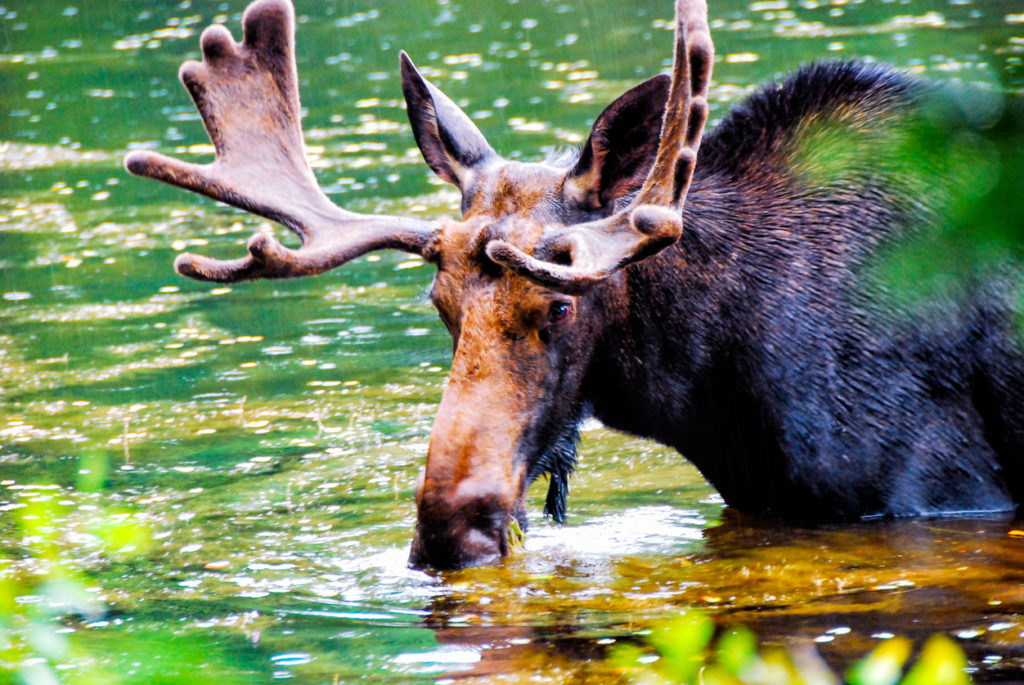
point(269, 433)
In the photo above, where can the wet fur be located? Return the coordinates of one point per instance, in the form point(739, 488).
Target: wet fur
point(557, 463)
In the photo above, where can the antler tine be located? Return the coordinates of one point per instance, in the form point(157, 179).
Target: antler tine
point(653, 220)
point(247, 95)
point(686, 111)
point(597, 248)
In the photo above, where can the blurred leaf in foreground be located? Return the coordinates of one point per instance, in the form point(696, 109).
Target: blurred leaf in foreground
point(883, 666)
point(685, 652)
point(954, 168)
point(942, 662)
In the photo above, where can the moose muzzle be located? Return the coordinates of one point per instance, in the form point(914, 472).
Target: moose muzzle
point(468, 529)
point(473, 483)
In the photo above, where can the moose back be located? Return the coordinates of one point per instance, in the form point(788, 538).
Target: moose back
point(714, 301)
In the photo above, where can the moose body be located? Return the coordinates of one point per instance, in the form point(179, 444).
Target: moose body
point(757, 347)
point(716, 304)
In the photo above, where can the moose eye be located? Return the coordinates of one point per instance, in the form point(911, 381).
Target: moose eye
point(560, 312)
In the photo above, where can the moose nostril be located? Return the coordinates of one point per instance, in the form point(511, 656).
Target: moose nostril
point(459, 537)
point(483, 545)
point(471, 547)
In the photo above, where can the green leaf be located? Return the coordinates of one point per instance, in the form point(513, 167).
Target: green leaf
point(93, 468)
point(516, 536)
point(942, 662)
point(736, 651)
point(883, 666)
point(122, 533)
point(627, 657)
point(682, 643)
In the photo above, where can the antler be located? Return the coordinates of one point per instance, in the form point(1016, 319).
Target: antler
point(247, 94)
point(652, 221)
point(686, 111)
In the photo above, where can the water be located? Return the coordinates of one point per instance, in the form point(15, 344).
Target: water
point(268, 434)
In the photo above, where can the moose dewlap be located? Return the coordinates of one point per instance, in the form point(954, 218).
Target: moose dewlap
point(707, 295)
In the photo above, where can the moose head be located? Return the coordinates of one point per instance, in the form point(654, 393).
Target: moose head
point(527, 280)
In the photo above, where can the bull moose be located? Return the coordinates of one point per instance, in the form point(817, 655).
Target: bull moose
point(735, 329)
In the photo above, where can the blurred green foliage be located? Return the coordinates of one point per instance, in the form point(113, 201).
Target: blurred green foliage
point(684, 651)
point(45, 595)
point(972, 143)
point(955, 161)
point(56, 623)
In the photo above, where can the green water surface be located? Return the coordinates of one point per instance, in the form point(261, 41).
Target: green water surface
point(268, 434)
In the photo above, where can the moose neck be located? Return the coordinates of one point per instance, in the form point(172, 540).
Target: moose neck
point(691, 366)
point(670, 369)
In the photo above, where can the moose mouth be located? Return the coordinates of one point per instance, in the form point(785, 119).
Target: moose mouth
point(474, 534)
point(460, 532)
point(460, 547)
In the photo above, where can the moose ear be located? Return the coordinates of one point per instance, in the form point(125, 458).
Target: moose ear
point(621, 148)
point(451, 144)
